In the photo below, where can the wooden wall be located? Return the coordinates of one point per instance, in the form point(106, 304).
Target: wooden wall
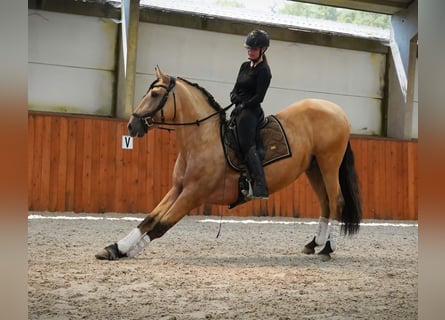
point(76, 163)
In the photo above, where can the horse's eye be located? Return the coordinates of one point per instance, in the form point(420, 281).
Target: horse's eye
point(154, 94)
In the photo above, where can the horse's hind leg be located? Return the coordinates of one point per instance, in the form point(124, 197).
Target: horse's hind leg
point(316, 180)
point(330, 170)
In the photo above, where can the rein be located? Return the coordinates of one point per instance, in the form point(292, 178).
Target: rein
point(148, 117)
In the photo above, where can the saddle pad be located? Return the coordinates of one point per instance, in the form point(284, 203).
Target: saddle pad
point(276, 146)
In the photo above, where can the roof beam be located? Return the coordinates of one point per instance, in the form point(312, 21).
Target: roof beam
point(233, 26)
point(215, 24)
point(378, 6)
point(86, 8)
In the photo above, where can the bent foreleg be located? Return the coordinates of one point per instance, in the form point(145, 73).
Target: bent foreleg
point(133, 242)
point(156, 226)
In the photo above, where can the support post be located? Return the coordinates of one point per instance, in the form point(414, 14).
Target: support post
point(402, 72)
point(128, 54)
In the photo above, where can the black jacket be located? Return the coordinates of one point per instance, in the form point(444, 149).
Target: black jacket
point(251, 84)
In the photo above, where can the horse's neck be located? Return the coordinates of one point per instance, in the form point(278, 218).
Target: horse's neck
point(195, 107)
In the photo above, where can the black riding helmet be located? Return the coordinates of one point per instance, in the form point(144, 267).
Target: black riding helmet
point(257, 39)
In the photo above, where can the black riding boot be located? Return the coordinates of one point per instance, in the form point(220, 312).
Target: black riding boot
point(257, 173)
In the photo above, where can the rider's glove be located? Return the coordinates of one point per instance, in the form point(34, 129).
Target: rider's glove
point(234, 98)
point(237, 110)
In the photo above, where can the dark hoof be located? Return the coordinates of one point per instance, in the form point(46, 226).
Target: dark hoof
point(325, 253)
point(110, 253)
point(310, 247)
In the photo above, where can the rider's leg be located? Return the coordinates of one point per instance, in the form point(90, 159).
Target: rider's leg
point(247, 122)
point(256, 171)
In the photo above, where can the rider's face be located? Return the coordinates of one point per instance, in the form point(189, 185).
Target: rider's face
point(253, 53)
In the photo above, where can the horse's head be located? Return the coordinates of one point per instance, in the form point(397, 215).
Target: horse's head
point(150, 108)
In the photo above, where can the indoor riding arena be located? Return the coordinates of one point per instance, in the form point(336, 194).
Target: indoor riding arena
point(90, 183)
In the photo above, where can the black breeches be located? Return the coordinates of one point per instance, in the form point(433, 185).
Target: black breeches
point(247, 123)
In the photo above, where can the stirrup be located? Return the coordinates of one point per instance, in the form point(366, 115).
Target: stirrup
point(260, 197)
point(248, 193)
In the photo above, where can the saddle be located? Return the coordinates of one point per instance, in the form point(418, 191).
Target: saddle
point(271, 144)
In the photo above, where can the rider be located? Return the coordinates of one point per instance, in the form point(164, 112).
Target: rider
point(253, 80)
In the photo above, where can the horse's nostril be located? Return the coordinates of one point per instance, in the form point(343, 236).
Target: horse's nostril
point(129, 126)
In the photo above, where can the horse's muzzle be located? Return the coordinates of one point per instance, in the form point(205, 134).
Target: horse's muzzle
point(137, 127)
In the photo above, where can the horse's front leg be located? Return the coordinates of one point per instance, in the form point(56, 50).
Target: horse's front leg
point(156, 225)
point(127, 246)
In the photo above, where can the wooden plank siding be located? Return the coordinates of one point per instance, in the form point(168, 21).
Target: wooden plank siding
point(76, 164)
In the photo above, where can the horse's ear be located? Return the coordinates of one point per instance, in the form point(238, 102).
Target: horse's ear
point(157, 70)
point(161, 75)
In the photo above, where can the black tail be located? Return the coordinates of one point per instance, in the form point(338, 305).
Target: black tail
point(352, 211)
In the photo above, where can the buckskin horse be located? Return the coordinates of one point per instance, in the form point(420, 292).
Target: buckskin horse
point(317, 133)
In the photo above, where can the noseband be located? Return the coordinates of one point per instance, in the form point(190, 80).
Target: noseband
point(147, 117)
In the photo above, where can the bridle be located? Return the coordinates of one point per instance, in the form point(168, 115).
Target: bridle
point(148, 117)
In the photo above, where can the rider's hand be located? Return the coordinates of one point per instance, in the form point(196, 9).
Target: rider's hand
point(234, 98)
point(237, 110)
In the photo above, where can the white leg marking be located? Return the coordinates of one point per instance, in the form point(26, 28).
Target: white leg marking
point(138, 246)
point(126, 243)
point(334, 233)
point(321, 234)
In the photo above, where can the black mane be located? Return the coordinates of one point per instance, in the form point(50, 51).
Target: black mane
point(210, 99)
